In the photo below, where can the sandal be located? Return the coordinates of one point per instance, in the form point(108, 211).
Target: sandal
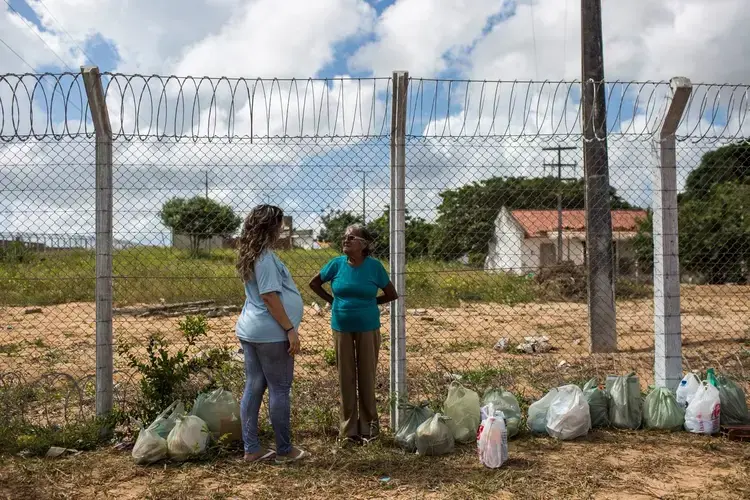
point(288, 460)
point(267, 456)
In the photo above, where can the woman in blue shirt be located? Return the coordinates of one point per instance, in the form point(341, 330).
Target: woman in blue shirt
point(267, 329)
point(356, 278)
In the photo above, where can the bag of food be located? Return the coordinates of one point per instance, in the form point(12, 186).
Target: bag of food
point(689, 384)
point(492, 438)
point(149, 447)
point(462, 408)
point(661, 411)
point(414, 416)
point(188, 438)
point(598, 401)
point(733, 402)
point(221, 412)
point(166, 421)
point(625, 408)
point(703, 414)
point(507, 403)
point(537, 421)
point(433, 437)
point(568, 415)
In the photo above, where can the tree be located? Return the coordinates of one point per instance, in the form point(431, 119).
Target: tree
point(714, 230)
point(335, 224)
point(418, 234)
point(466, 215)
point(200, 219)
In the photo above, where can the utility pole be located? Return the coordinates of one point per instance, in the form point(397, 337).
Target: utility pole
point(601, 292)
point(364, 195)
point(559, 166)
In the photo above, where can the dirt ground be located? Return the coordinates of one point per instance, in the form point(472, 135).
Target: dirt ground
point(605, 465)
point(715, 322)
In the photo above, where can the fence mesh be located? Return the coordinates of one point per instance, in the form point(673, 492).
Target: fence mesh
point(491, 296)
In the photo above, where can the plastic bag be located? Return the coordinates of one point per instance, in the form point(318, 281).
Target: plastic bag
point(492, 438)
point(166, 421)
point(703, 414)
point(462, 408)
point(661, 411)
point(507, 403)
point(149, 447)
point(568, 416)
point(221, 412)
point(598, 401)
point(689, 384)
point(733, 402)
point(188, 438)
point(414, 416)
point(433, 437)
point(625, 407)
point(537, 420)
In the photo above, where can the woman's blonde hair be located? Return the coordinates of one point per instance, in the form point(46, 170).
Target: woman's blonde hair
point(259, 233)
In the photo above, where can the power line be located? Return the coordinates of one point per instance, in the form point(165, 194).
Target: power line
point(90, 59)
point(39, 36)
point(17, 55)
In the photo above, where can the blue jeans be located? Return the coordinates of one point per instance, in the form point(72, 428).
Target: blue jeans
point(267, 365)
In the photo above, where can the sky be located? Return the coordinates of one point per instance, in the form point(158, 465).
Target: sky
point(47, 184)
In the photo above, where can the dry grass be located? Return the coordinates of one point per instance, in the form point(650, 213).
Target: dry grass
point(614, 465)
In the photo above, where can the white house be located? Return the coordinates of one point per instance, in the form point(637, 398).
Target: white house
point(526, 240)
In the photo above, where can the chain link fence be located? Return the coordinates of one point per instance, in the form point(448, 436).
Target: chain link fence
point(495, 227)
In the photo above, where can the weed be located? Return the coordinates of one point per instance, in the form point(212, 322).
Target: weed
point(39, 343)
point(329, 357)
point(482, 377)
point(462, 346)
point(10, 349)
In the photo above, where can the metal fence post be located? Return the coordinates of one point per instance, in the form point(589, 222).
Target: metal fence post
point(398, 245)
point(100, 117)
point(667, 326)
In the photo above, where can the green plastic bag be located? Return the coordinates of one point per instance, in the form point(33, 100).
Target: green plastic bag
point(163, 424)
point(598, 401)
point(625, 407)
point(434, 437)
point(507, 403)
point(462, 408)
point(414, 416)
point(661, 411)
point(221, 412)
point(733, 403)
point(537, 420)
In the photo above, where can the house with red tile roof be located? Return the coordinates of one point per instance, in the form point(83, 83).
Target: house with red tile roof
point(525, 241)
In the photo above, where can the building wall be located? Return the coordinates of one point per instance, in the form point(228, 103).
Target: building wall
point(182, 242)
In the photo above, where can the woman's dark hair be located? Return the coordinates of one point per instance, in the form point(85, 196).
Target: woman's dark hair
point(259, 233)
point(366, 235)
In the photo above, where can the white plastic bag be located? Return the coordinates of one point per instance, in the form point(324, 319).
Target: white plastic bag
point(689, 385)
point(537, 421)
point(568, 416)
point(704, 411)
point(462, 408)
point(433, 437)
point(221, 412)
point(492, 438)
point(149, 447)
point(188, 438)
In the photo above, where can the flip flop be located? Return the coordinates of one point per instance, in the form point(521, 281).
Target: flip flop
point(268, 455)
point(288, 460)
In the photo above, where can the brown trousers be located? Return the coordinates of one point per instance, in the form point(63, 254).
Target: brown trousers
point(357, 361)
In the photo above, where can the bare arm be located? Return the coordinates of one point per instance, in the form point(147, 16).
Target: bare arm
point(389, 294)
point(316, 285)
point(277, 311)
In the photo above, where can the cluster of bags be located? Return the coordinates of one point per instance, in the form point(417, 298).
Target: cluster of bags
point(712, 403)
point(465, 420)
point(182, 436)
point(563, 413)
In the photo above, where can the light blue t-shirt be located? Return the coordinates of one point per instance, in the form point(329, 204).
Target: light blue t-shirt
point(255, 323)
point(355, 292)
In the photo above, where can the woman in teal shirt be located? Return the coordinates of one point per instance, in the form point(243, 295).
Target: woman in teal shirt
point(356, 278)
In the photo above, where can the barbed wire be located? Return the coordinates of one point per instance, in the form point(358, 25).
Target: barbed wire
point(172, 108)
